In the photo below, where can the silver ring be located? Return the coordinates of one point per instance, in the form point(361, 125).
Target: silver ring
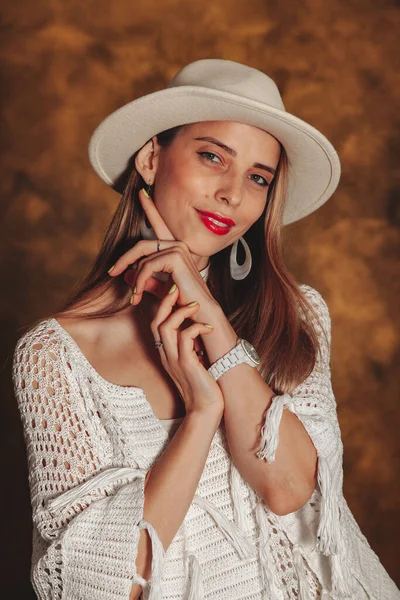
point(158, 344)
point(200, 352)
point(158, 245)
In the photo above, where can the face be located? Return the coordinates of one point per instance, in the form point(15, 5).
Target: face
point(219, 167)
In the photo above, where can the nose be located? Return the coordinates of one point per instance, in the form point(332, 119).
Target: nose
point(230, 189)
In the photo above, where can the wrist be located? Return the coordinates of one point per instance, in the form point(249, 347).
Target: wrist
point(209, 312)
point(206, 417)
point(222, 338)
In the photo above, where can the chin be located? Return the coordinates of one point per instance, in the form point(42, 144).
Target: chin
point(200, 241)
point(201, 246)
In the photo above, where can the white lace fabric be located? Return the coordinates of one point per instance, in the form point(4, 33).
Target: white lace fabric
point(90, 444)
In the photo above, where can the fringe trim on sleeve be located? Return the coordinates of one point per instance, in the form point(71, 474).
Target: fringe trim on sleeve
point(157, 563)
point(243, 545)
point(195, 585)
point(66, 501)
point(341, 577)
point(329, 525)
point(268, 568)
point(301, 573)
point(237, 501)
point(234, 535)
point(270, 429)
point(330, 542)
point(330, 534)
point(137, 578)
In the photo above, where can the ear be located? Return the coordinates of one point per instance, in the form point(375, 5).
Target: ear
point(147, 159)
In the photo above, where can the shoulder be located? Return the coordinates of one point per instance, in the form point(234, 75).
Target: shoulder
point(314, 297)
point(52, 341)
point(319, 313)
point(52, 333)
point(37, 366)
point(38, 335)
point(37, 347)
point(316, 300)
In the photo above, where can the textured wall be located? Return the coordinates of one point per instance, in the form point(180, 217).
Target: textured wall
point(66, 65)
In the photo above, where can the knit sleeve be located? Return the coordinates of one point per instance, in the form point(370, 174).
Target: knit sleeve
point(87, 514)
point(313, 402)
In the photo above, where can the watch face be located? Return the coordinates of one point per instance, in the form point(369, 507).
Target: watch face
point(251, 351)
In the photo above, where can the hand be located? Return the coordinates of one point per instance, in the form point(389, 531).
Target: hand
point(174, 258)
point(199, 390)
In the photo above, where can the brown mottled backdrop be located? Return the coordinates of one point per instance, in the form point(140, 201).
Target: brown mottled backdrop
point(67, 64)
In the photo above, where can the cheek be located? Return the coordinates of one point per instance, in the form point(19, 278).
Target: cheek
point(174, 189)
point(255, 209)
point(172, 175)
point(179, 181)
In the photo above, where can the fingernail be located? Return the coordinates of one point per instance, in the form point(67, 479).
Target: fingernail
point(172, 289)
point(109, 270)
point(209, 326)
point(193, 303)
point(145, 193)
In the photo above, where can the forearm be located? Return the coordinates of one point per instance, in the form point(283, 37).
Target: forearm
point(288, 482)
point(172, 484)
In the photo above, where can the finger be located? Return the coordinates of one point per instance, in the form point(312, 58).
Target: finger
point(163, 312)
point(181, 313)
point(165, 262)
point(130, 274)
point(165, 326)
point(186, 348)
point(153, 286)
point(140, 249)
point(129, 277)
point(165, 309)
point(156, 221)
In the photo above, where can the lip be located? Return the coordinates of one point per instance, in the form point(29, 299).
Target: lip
point(218, 217)
point(218, 229)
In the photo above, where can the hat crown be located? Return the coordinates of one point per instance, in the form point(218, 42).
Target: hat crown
point(231, 77)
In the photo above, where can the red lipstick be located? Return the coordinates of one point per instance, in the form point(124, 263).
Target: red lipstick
point(217, 217)
point(215, 227)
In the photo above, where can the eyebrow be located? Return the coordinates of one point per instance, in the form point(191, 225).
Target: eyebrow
point(233, 152)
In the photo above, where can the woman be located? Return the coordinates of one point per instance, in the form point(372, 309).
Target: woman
point(161, 460)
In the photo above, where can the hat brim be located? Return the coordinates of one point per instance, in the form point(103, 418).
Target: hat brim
point(314, 166)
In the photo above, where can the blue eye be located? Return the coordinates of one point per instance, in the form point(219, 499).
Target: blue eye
point(207, 155)
point(264, 182)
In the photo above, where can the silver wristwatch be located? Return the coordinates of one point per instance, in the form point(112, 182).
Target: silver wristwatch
point(243, 352)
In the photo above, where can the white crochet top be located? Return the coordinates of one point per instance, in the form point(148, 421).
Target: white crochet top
point(89, 446)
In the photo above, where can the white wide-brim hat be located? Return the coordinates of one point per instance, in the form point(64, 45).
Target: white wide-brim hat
point(221, 90)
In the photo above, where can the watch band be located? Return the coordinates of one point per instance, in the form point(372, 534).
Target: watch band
point(234, 357)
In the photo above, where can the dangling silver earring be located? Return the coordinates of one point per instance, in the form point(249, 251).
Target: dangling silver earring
point(147, 233)
point(240, 271)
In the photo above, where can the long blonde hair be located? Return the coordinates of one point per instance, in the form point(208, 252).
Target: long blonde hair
point(263, 308)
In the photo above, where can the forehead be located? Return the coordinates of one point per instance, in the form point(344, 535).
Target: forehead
point(229, 130)
point(236, 135)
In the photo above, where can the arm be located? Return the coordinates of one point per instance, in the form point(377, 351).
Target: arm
point(311, 430)
point(172, 484)
point(289, 477)
point(91, 515)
